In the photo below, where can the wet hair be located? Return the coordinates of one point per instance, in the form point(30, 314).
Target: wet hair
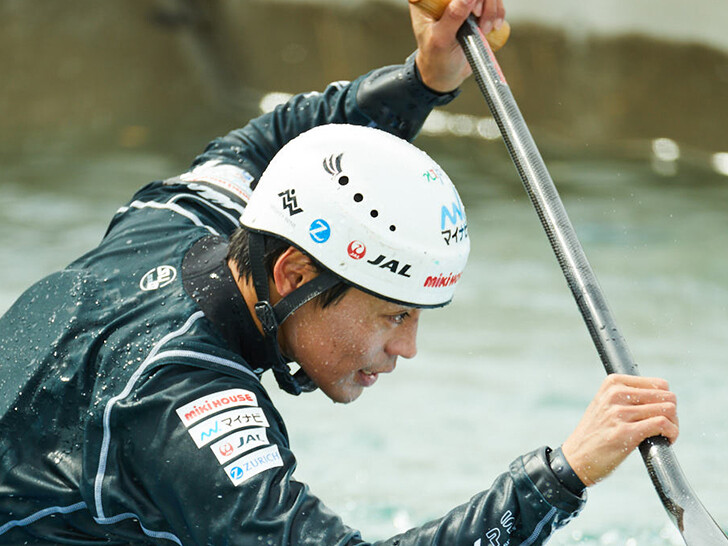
point(239, 253)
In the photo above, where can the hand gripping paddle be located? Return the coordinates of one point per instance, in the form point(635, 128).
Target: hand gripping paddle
point(693, 521)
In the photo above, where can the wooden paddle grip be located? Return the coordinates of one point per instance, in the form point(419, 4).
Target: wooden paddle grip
point(496, 38)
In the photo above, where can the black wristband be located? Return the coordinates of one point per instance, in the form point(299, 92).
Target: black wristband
point(563, 471)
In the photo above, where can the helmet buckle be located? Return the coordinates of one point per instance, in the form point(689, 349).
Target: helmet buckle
point(267, 317)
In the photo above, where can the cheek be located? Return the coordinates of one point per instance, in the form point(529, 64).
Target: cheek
point(337, 337)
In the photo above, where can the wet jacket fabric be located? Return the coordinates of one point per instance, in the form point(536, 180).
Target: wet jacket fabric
point(131, 410)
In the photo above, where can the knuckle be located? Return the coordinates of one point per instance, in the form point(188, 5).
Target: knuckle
point(618, 393)
point(614, 414)
point(663, 422)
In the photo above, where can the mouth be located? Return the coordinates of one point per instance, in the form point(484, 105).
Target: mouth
point(366, 379)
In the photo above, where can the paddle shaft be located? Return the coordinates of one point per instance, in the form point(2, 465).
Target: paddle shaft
point(694, 522)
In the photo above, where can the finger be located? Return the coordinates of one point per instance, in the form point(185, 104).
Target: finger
point(490, 10)
point(637, 396)
point(457, 11)
point(489, 15)
point(654, 426)
point(501, 11)
point(648, 411)
point(637, 381)
point(478, 8)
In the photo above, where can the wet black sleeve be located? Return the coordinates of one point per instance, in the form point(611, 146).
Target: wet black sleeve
point(220, 181)
point(391, 98)
point(207, 474)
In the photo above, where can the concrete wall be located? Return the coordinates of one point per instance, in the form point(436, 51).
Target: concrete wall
point(138, 72)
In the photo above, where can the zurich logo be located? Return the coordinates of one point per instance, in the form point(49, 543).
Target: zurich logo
point(236, 472)
point(320, 231)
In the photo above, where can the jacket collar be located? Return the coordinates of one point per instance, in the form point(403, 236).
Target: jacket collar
point(207, 279)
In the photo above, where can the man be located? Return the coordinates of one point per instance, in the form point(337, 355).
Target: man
point(130, 404)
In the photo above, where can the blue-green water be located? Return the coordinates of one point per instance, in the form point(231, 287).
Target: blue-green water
point(508, 366)
point(504, 369)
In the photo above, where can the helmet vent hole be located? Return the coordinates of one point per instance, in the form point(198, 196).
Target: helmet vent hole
point(343, 180)
point(358, 197)
point(392, 228)
point(374, 213)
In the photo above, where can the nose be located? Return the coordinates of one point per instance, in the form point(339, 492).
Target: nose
point(404, 341)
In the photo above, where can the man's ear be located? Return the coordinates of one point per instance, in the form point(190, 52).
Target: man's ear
point(291, 270)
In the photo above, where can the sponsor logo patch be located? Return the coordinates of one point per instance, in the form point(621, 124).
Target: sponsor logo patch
point(228, 177)
point(251, 465)
point(456, 234)
point(215, 427)
point(332, 164)
point(451, 215)
point(356, 250)
point(442, 280)
point(393, 265)
point(212, 403)
point(238, 443)
point(433, 175)
point(320, 231)
point(158, 277)
point(289, 202)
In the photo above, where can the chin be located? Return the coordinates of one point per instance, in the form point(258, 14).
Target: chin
point(343, 397)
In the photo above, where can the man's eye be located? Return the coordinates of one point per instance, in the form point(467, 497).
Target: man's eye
point(399, 319)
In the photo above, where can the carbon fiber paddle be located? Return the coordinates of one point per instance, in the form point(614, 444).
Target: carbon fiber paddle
point(691, 518)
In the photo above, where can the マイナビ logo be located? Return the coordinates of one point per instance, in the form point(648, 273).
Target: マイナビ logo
point(224, 423)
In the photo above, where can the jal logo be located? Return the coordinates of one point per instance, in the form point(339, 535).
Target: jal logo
point(226, 449)
point(158, 277)
point(356, 250)
point(289, 202)
point(238, 443)
point(320, 231)
point(383, 262)
point(256, 436)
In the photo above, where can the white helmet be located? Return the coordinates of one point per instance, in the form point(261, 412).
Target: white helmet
point(370, 207)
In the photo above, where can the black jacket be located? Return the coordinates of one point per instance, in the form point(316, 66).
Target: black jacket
point(131, 409)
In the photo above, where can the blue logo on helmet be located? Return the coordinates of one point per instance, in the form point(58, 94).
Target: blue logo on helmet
point(320, 231)
point(236, 472)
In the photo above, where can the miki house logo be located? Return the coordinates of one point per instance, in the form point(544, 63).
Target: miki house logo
point(202, 407)
point(442, 281)
point(320, 231)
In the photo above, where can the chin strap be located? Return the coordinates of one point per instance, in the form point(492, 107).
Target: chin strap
point(272, 316)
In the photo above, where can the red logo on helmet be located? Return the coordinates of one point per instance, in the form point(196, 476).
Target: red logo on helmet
point(226, 449)
point(357, 250)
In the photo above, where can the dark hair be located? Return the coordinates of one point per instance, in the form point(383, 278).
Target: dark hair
point(239, 253)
